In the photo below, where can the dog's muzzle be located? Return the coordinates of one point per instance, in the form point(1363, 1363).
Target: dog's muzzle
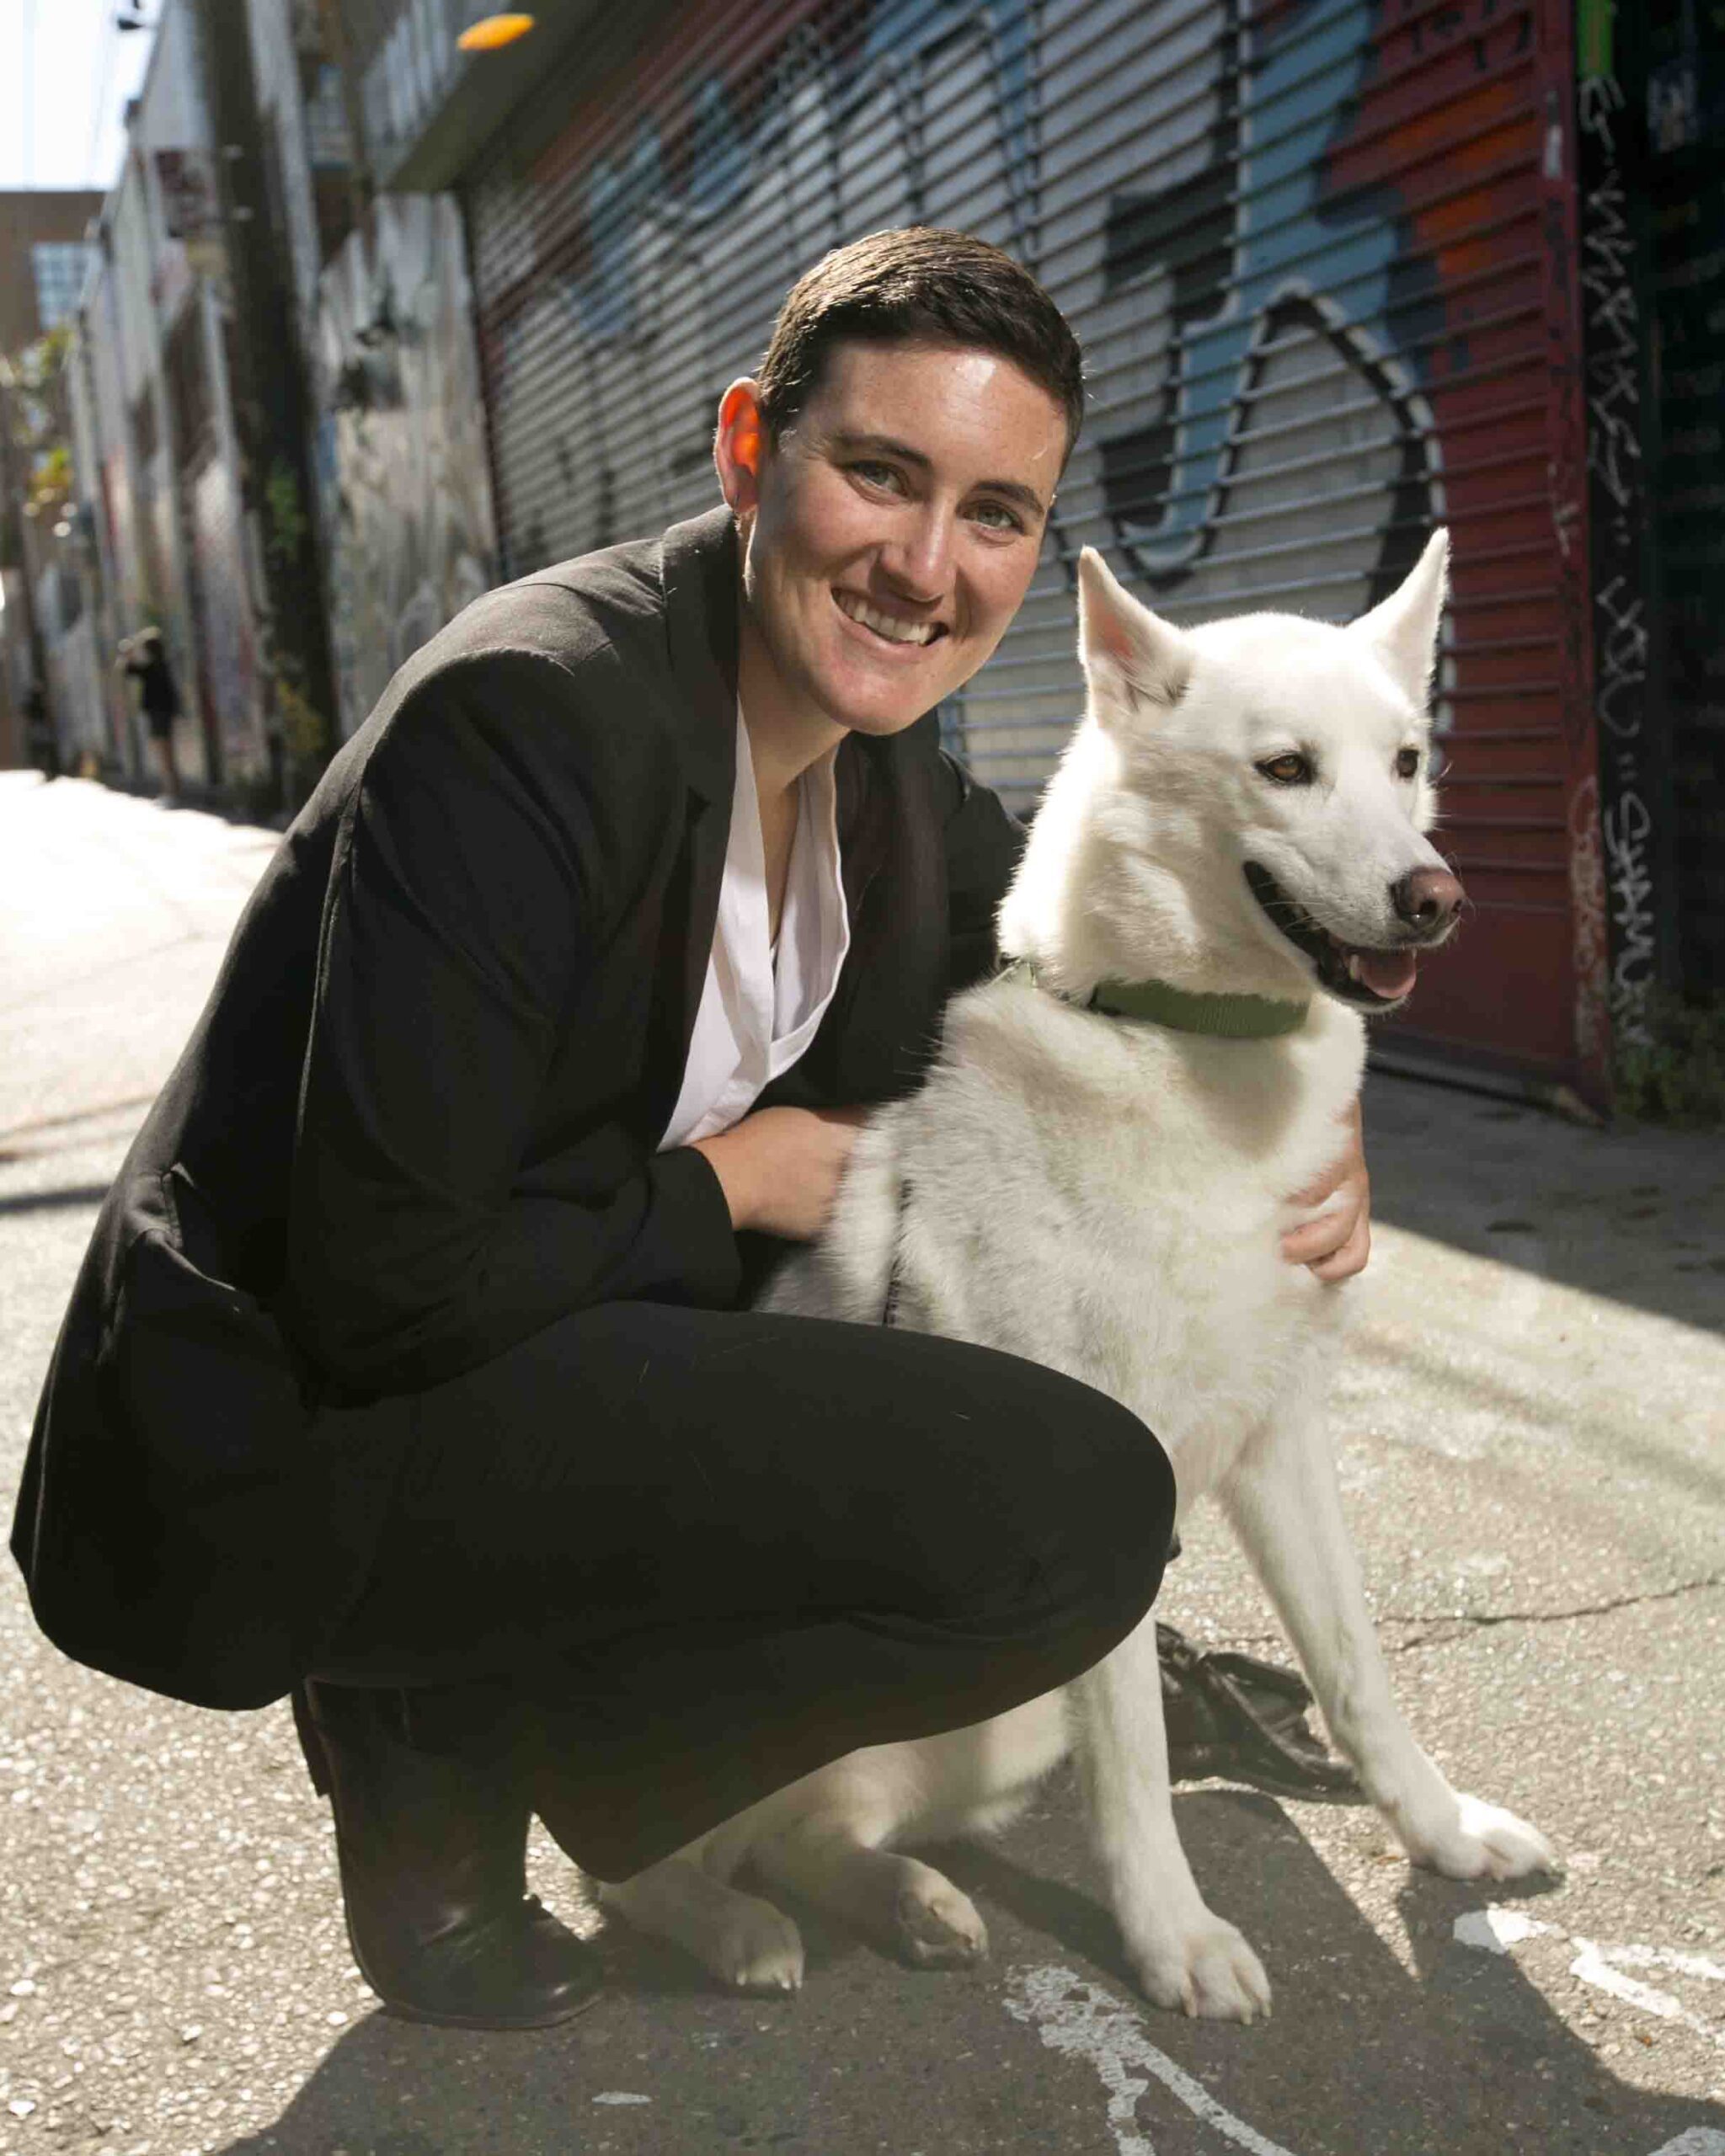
point(1370, 977)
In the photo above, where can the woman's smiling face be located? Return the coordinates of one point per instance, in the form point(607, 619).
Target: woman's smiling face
point(892, 531)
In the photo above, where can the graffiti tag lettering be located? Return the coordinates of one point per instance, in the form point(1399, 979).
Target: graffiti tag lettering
point(1627, 826)
point(1611, 374)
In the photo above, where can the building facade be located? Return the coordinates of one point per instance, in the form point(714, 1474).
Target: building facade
point(44, 255)
point(187, 503)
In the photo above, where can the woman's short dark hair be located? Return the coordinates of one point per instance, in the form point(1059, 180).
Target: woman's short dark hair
point(922, 284)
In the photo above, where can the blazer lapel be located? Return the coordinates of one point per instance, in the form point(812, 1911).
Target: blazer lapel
point(698, 573)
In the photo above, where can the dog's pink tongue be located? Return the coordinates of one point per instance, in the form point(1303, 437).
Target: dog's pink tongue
point(1388, 973)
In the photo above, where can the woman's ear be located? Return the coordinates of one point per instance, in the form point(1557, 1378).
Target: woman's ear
point(738, 446)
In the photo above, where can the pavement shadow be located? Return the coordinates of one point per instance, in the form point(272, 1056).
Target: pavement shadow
point(395, 2087)
point(52, 1201)
point(1463, 2057)
point(1631, 1211)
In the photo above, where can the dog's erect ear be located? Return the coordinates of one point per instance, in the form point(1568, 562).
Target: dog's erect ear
point(1402, 629)
point(1124, 646)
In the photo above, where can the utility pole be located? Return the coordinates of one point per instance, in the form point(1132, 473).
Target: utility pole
point(271, 408)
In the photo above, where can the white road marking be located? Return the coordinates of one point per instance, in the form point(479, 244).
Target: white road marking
point(1073, 2015)
point(621, 2096)
point(1496, 1930)
point(1595, 1965)
point(1665, 1957)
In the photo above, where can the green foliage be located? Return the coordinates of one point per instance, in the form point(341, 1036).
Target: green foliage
point(33, 412)
point(1677, 1074)
point(286, 521)
point(39, 366)
point(50, 483)
point(305, 732)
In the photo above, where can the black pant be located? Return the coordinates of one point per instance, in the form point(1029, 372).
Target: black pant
point(697, 1554)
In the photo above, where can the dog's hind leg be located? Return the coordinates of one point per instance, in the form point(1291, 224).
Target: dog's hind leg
point(1185, 1956)
point(827, 1857)
point(738, 1937)
point(1282, 1497)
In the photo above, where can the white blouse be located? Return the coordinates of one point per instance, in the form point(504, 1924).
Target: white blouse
point(763, 1001)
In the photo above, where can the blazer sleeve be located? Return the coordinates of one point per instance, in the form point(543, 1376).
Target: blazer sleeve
point(982, 842)
point(464, 903)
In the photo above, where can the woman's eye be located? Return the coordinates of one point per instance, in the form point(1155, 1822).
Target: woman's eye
point(1291, 770)
point(1408, 764)
point(998, 517)
point(876, 475)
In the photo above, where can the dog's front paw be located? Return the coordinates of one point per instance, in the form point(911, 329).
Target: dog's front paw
point(938, 1926)
point(1204, 1969)
point(758, 1949)
point(1482, 1841)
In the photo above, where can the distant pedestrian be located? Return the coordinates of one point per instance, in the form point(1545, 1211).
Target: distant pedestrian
point(144, 657)
point(39, 731)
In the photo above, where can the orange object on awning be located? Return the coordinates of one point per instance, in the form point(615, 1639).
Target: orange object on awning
point(493, 31)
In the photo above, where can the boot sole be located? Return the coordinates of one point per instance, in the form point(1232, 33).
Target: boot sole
point(405, 2012)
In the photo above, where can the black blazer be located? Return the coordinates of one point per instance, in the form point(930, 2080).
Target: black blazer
point(415, 1122)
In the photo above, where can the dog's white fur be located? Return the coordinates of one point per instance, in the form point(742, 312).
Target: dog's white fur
point(1107, 1197)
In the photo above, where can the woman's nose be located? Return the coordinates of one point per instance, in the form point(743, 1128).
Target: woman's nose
point(918, 559)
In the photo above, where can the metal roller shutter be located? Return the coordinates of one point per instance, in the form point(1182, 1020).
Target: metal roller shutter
point(1315, 250)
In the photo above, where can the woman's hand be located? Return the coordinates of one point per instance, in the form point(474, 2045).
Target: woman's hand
point(779, 1168)
point(1335, 1245)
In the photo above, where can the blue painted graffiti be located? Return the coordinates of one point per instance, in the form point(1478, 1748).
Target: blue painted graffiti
point(729, 147)
point(1237, 241)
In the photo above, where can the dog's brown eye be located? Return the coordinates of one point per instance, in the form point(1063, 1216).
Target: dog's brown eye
point(1291, 770)
point(1407, 763)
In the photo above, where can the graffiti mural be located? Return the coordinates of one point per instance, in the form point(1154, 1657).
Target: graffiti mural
point(1271, 332)
point(405, 490)
point(1196, 186)
point(654, 257)
point(1300, 240)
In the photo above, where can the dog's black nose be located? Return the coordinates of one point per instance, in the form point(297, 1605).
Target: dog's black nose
point(1427, 899)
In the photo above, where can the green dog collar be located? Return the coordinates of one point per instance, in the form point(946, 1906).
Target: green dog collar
point(1228, 1017)
point(1231, 1018)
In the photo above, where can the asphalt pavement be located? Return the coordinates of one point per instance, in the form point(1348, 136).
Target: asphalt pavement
point(1531, 1440)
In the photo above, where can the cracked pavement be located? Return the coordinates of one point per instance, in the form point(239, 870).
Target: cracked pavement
point(1388, 1619)
point(1528, 1427)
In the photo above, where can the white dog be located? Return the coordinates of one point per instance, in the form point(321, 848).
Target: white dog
point(1227, 869)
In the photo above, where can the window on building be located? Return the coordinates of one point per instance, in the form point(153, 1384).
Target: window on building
point(60, 266)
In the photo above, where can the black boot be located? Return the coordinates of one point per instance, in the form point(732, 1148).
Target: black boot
point(433, 1846)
